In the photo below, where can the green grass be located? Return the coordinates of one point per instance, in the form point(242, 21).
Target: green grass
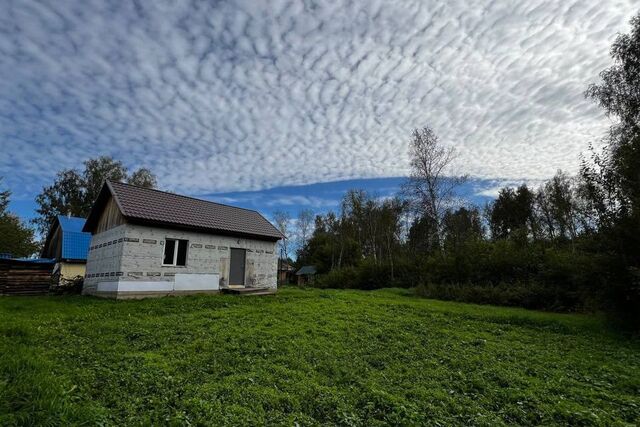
point(309, 357)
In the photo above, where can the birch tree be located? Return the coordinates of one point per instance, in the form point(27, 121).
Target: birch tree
point(431, 184)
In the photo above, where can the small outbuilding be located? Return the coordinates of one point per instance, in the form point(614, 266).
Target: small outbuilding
point(68, 245)
point(286, 272)
point(147, 242)
point(306, 275)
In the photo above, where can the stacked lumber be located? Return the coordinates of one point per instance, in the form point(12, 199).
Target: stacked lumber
point(24, 278)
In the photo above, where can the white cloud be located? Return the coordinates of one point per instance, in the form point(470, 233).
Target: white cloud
point(492, 188)
point(248, 95)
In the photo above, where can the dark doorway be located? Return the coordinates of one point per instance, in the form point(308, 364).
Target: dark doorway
point(236, 272)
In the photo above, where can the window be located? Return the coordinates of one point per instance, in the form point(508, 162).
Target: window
point(175, 252)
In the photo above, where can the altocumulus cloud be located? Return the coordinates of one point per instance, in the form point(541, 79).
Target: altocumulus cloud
point(227, 96)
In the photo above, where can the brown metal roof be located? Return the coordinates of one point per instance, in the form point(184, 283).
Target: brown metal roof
point(149, 206)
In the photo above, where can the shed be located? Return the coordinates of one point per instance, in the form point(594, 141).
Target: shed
point(68, 245)
point(306, 274)
point(286, 271)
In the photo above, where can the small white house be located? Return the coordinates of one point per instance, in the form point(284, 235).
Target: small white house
point(147, 242)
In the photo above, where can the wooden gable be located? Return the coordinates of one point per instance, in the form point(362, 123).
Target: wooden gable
point(53, 244)
point(110, 217)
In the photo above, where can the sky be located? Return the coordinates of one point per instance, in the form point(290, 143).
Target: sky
point(286, 104)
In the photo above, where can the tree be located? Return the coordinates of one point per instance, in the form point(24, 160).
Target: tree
point(366, 228)
point(431, 184)
point(143, 177)
point(461, 226)
point(557, 208)
point(73, 192)
point(96, 171)
point(512, 215)
point(611, 179)
point(304, 224)
point(423, 235)
point(283, 223)
point(15, 238)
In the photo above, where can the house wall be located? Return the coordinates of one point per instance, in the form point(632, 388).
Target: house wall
point(140, 253)
point(104, 257)
point(71, 270)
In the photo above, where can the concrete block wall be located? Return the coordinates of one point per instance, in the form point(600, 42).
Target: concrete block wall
point(141, 254)
point(104, 257)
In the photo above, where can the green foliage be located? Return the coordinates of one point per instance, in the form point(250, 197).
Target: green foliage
point(311, 357)
point(366, 228)
point(512, 214)
point(530, 295)
point(15, 237)
point(611, 179)
point(73, 192)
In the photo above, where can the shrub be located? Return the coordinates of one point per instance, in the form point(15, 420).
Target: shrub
point(532, 295)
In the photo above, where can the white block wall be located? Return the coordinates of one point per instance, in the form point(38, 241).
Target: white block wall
point(136, 253)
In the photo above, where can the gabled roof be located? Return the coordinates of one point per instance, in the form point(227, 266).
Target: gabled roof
point(75, 242)
point(153, 207)
point(305, 270)
point(71, 224)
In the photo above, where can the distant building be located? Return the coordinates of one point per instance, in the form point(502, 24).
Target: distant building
point(286, 272)
point(68, 245)
point(306, 275)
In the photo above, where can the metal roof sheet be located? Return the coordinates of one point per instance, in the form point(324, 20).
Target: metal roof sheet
point(307, 269)
point(75, 243)
point(173, 210)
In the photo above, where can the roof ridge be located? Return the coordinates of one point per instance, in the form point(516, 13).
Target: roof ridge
point(185, 197)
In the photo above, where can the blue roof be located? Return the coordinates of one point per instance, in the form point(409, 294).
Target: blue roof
point(71, 223)
point(75, 243)
point(36, 260)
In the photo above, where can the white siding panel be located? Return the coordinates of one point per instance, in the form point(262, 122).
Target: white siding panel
point(197, 282)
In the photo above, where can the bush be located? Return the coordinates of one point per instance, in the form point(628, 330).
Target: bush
point(500, 273)
point(368, 275)
point(530, 295)
point(68, 286)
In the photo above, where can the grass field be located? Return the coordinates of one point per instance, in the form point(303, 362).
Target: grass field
point(309, 357)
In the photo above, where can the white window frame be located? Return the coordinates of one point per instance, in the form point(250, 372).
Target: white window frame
point(175, 252)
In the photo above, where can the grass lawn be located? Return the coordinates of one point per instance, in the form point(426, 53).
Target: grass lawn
point(309, 357)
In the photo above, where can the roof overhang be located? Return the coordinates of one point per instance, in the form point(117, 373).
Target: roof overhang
point(213, 231)
point(96, 210)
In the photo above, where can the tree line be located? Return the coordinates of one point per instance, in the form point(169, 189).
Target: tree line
point(571, 244)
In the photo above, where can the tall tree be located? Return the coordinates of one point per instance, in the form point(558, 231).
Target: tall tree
point(4, 199)
point(557, 206)
point(611, 180)
point(73, 192)
point(304, 226)
point(143, 177)
point(512, 215)
point(461, 226)
point(16, 238)
point(283, 223)
point(431, 184)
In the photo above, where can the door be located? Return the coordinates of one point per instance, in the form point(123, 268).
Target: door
point(236, 271)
